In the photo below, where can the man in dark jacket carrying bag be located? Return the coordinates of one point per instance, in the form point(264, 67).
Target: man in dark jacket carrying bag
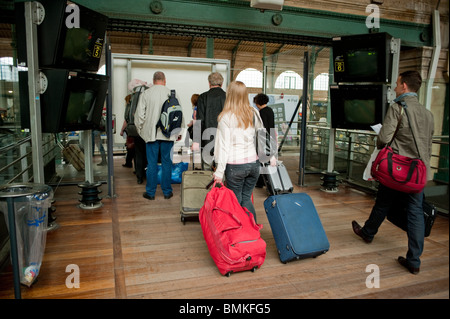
point(421, 122)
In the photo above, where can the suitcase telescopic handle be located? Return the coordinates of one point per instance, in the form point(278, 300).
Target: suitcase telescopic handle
point(210, 183)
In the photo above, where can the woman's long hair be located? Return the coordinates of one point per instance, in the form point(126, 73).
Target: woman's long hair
point(237, 103)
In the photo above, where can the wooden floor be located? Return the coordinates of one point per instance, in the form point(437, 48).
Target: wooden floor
point(135, 248)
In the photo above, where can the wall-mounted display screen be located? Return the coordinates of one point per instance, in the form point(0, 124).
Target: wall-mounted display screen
point(73, 101)
point(362, 58)
point(62, 43)
point(358, 106)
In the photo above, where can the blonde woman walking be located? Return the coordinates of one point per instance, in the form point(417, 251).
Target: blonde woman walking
point(235, 152)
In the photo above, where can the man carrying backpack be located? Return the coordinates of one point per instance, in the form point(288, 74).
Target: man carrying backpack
point(147, 116)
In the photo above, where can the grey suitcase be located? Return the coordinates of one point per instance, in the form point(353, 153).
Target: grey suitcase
point(277, 180)
point(193, 192)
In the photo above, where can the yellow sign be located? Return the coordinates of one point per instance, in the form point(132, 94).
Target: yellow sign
point(338, 66)
point(97, 51)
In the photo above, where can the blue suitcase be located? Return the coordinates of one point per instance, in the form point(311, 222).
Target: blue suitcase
point(296, 226)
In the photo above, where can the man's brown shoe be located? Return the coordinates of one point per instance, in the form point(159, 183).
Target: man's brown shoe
point(357, 230)
point(402, 261)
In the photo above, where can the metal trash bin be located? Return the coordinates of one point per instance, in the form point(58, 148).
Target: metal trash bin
point(25, 207)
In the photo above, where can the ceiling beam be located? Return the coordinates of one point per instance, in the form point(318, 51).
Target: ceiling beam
point(223, 19)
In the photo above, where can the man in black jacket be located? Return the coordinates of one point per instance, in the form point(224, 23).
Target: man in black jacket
point(209, 106)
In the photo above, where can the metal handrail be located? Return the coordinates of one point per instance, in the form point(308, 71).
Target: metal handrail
point(12, 146)
point(21, 156)
point(437, 139)
point(14, 162)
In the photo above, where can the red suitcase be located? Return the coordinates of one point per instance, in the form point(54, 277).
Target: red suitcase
point(231, 233)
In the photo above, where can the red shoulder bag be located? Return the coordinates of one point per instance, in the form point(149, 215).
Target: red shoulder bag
point(402, 173)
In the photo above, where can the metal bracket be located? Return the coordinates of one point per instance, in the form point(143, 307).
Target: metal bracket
point(395, 51)
point(42, 84)
point(390, 95)
point(38, 13)
point(395, 46)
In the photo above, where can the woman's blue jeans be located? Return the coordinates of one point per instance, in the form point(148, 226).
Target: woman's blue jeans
point(241, 179)
point(416, 223)
point(153, 150)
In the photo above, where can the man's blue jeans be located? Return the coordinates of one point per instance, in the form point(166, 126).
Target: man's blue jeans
point(153, 150)
point(416, 224)
point(241, 179)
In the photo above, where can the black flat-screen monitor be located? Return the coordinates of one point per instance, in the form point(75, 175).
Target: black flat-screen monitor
point(358, 106)
point(362, 58)
point(73, 100)
point(68, 39)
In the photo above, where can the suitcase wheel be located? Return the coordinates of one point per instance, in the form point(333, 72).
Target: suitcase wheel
point(279, 254)
point(254, 268)
point(228, 274)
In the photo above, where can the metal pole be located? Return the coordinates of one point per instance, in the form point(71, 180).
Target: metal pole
point(210, 48)
point(289, 125)
point(332, 135)
point(13, 243)
point(33, 94)
point(434, 58)
point(86, 140)
point(109, 129)
point(264, 58)
point(331, 148)
point(301, 176)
